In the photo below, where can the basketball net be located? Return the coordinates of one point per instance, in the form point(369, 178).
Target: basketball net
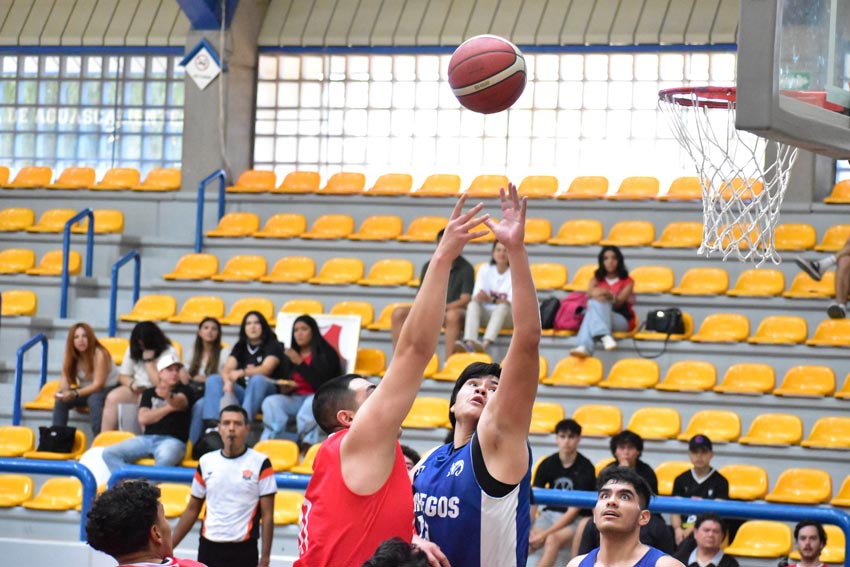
point(743, 176)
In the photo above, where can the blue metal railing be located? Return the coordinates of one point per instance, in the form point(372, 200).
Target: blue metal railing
point(113, 286)
point(199, 218)
point(19, 372)
point(66, 250)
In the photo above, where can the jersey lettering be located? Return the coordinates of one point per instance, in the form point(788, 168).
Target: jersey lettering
point(442, 507)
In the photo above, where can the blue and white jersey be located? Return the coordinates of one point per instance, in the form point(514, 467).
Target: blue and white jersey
point(472, 526)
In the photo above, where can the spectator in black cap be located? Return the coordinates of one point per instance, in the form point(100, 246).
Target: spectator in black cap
point(702, 481)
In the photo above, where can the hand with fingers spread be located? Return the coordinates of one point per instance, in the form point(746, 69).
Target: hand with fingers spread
point(457, 232)
point(510, 231)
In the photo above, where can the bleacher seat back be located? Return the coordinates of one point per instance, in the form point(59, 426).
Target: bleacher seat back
point(243, 268)
point(19, 303)
point(834, 238)
point(345, 183)
point(586, 187)
point(32, 177)
point(198, 307)
point(840, 193)
point(723, 327)
point(362, 309)
point(119, 178)
point(379, 227)
point(759, 282)
point(339, 271)
point(581, 279)
point(57, 494)
point(74, 178)
point(631, 373)
point(578, 232)
point(781, 329)
point(545, 416)
point(630, 233)
point(330, 227)
point(746, 482)
point(15, 489)
point(831, 332)
point(761, 538)
point(106, 221)
point(655, 423)
point(537, 231)
point(391, 184)
point(283, 225)
point(703, 281)
point(16, 260)
point(439, 185)
point(303, 307)
point(51, 264)
point(689, 375)
point(830, 432)
point(16, 219)
point(427, 412)
point(292, 269)
point(680, 234)
point(487, 186)
point(370, 362)
point(718, 425)
point(282, 453)
point(52, 220)
point(243, 306)
point(807, 380)
point(575, 371)
point(548, 275)
point(599, 420)
point(198, 266)
point(637, 188)
point(683, 189)
point(652, 279)
point(300, 182)
point(15, 440)
point(538, 186)
point(748, 378)
point(794, 236)
point(235, 225)
point(667, 472)
point(152, 308)
point(424, 229)
point(774, 429)
point(801, 486)
point(161, 179)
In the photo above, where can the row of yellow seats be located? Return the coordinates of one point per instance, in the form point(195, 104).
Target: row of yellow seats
point(115, 179)
point(18, 303)
point(18, 219)
point(767, 539)
point(22, 261)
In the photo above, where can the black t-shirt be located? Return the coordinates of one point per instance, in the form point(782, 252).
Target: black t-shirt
point(461, 279)
point(245, 356)
point(581, 475)
point(645, 471)
point(715, 486)
point(175, 424)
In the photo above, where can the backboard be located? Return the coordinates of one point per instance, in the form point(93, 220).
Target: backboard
point(794, 73)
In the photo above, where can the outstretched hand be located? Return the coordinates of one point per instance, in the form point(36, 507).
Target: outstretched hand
point(457, 232)
point(510, 231)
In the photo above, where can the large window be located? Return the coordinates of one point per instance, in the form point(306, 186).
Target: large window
point(99, 111)
point(580, 114)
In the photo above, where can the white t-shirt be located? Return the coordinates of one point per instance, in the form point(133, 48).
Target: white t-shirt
point(111, 376)
point(137, 370)
point(493, 283)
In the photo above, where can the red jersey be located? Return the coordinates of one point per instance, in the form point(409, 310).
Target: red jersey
point(343, 529)
point(168, 562)
point(626, 309)
point(302, 386)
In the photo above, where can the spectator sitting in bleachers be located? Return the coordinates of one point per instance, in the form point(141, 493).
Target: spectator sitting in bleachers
point(816, 268)
point(491, 303)
point(811, 539)
point(88, 375)
point(627, 448)
point(702, 481)
point(706, 547)
point(609, 304)
point(411, 456)
point(208, 358)
point(137, 373)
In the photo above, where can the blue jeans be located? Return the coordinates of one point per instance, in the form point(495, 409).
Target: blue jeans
point(166, 450)
point(94, 402)
point(599, 320)
point(278, 408)
point(258, 389)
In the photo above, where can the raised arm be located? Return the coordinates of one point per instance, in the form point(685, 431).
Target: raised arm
point(503, 427)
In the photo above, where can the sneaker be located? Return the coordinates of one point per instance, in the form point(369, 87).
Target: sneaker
point(836, 311)
point(811, 267)
point(460, 346)
point(477, 347)
point(608, 342)
point(580, 352)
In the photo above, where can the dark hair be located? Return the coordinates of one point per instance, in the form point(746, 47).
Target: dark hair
point(626, 475)
point(474, 370)
point(319, 345)
point(120, 519)
point(198, 352)
point(147, 335)
point(235, 408)
point(626, 437)
point(332, 396)
point(440, 234)
point(396, 552)
point(267, 335)
point(601, 272)
point(817, 525)
point(711, 517)
point(493, 249)
point(410, 453)
point(569, 425)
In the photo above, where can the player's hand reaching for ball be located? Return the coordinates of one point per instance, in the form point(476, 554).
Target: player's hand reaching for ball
point(457, 232)
point(510, 231)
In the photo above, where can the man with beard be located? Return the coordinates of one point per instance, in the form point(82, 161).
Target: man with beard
point(811, 539)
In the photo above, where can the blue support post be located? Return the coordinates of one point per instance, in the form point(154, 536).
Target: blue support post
point(19, 372)
point(113, 286)
point(199, 217)
point(66, 250)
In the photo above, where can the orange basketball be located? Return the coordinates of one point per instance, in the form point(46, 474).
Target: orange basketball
point(487, 73)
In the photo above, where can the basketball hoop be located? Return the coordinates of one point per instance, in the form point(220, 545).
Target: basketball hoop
point(743, 176)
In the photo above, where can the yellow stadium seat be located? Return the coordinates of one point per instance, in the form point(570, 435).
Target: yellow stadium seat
point(197, 308)
point(548, 276)
point(833, 551)
point(804, 287)
point(306, 464)
point(51, 264)
point(439, 185)
point(581, 279)
point(16, 219)
point(703, 281)
point(57, 494)
point(344, 183)
point(747, 378)
point(330, 227)
point(543, 369)
point(118, 179)
point(339, 271)
point(242, 306)
point(844, 393)
point(652, 279)
point(834, 238)
point(545, 416)
point(291, 269)
point(283, 225)
point(688, 323)
point(384, 322)
point(599, 420)
point(4, 175)
point(843, 497)
point(242, 269)
point(107, 438)
point(52, 220)
point(840, 193)
point(116, 346)
point(433, 367)
point(586, 187)
point(636, 189)
point(31, 177)
point(794, 236)
point(801, 486)
point(287, 507)
point(758, 282)
point(162, 179)
point(630, 233)
point(391, 184)
point(15, 440)
point(300, 182)
point(774, 429)
point(761, 538)
point(537, 231)
point(458, 362)
point(370, 362)
point(152, 308)
point(424, 229)
point(74, 178)
point(15, 489)
point(667, 472)
point(254, 181)
point(689, 376)
point(655, 423)
point(680, 234)
point(781, 329)
point(174, 498)
point(363, 309)
point(683, 189)
point(381, 227)
point(575, 371)
point(807, 380)
point(723, 328)
point(578, 232)
point(77, 450)
point(602, 464)
point(484, 186)
point(303, 306)
point(427, 413)
point(19, 303)
point(746, 482)
point(829, 433)
point(106, 221)
point(632, 373)
point(16, 260)
point(832, 332)
point(282, 453)
point(718, 425)
point(538, 186)
point(194, 267)
point(235, 225)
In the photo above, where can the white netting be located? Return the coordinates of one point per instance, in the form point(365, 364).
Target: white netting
point(743, 176)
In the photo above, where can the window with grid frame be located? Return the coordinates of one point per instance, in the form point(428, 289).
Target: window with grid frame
point(99, 111)
point(580, 114)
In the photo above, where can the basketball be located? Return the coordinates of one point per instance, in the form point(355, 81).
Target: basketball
point(487, 73)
